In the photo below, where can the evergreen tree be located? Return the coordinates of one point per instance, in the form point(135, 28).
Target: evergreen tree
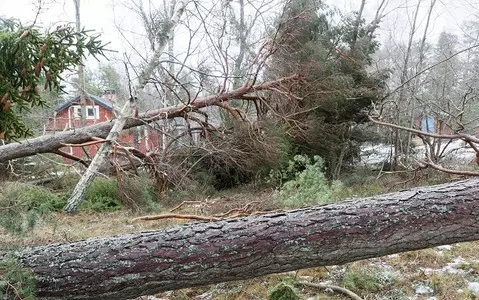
point(336, 91)
point(31, 61)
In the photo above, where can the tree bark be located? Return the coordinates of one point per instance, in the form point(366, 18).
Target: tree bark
point(81, 73)
point(51, 142)
point(398, 145)
point(197, 254)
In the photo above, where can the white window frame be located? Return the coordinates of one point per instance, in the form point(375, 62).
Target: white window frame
point(96, 111)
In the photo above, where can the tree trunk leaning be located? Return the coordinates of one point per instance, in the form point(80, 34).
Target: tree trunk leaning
point(78, 194)
point(51, 142)
point(197, 254)
point(81, 188)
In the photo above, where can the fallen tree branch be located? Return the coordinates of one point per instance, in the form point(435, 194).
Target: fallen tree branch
point(196, 254)
point(176, 216)
point(184, 203)
point(70, 156)
point(94, 142)
point(51, 142)
point(462, 136)
point(336, 288)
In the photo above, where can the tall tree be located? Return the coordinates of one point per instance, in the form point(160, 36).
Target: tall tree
point(81, 72)
point(337, 89)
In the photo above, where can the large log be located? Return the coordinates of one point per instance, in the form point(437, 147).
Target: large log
point(197, 254)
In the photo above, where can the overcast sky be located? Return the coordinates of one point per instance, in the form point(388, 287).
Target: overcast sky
point(105, 15)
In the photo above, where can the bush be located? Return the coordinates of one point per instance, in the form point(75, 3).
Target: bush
point(370, 279)
point(103, 195)
point(283, 291)
point(310, 185)
point(109, 194)
point(22, 205)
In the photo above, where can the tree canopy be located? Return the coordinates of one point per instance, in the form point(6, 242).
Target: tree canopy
point(337, 90)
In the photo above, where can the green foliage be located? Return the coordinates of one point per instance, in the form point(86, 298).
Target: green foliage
point(289, 172)
point(109, 194)
point(16, 282)
point(23, 205)
point(310, 185)
point(283, 291)
point(102, 195)
point(370, 279)
point(332, 53)
point(30, 59)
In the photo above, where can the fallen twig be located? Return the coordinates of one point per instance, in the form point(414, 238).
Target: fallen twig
point(185, 202)
point(344, 291)
point(176, 216)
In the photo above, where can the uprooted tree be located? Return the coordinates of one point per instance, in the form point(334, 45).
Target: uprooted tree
point(197, 254)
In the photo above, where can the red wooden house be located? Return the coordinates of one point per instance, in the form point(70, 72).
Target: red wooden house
point(67, 116)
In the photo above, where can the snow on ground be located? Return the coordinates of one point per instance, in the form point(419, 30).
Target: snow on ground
point(456, 152)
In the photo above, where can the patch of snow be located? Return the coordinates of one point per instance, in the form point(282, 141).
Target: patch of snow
point(455, 266)
point(374, 154)
point(444, 247)
point(423, 289)
point(473, 287)
point(454, 152)
point(207, 295)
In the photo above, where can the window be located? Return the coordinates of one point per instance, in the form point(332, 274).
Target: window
point(92, 112)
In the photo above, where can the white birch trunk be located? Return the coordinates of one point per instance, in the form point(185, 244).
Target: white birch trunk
point(79, 192)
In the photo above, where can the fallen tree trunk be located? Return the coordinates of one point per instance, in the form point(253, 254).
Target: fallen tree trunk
point(197, 254)
point(51, 142)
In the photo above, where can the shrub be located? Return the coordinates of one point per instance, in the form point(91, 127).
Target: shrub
point(132, 192)
point(309, 186)
point(22, 205)
point(103, 195)
point(370, 279)
point(283, 291)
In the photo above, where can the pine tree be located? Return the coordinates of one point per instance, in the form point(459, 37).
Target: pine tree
point(337, 90)
point(31, 61)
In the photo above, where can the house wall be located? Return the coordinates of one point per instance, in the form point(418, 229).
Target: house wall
point(142, 138)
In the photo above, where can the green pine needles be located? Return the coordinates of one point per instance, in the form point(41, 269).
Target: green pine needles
point(16, 282)
point(23, 205)
point(30, 61)
point(308, 184)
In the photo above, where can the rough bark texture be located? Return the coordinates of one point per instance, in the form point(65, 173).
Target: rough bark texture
point(204, 253)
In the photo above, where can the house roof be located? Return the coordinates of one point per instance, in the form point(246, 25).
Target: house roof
point(97, 100)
